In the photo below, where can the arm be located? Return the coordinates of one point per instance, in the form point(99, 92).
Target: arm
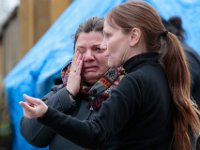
point(92, 133)
point(61, 100)
point(36, 133)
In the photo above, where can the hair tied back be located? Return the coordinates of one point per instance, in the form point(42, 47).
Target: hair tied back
point(164, 34)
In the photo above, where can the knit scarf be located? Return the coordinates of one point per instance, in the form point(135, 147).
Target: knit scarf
point(101, 90)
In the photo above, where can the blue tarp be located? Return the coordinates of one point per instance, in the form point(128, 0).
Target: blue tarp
point(35, 73)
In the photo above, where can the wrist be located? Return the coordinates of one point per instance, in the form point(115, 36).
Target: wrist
point(44, 111)
point(70, 93)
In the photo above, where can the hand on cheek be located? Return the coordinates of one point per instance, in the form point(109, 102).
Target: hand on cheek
point(74, 79)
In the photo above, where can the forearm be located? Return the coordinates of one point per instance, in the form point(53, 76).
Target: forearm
point(95, 132)
point(36, 133)
point(80, 132)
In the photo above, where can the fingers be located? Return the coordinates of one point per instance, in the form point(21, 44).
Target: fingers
point(76, 65)
point(28, 110)
point(32, 100)
point(33, 107)
point(74, 78)
point(79, 62)
point(73, 64)
point(30, 103)
point(26, 106)
point(80, 66)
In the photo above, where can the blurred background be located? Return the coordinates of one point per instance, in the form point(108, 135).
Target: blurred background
point(36, 41)
point(22, 24)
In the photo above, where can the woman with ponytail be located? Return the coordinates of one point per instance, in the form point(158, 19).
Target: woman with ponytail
point(174, 25)
point(151, 108)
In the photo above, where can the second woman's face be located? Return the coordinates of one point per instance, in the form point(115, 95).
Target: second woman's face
point(117, 45)
point(94, 60)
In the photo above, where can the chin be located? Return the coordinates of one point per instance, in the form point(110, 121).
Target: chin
point(112, 64)
point(91, 78)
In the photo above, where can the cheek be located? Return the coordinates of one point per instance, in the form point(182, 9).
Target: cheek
point(103, 63)
point(101, 58)
point(112, 46)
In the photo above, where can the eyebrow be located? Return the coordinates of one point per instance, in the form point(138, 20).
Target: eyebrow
point(79, 46)
point(97, 44)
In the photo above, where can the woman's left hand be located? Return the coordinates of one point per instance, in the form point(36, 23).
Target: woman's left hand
point(33, 107)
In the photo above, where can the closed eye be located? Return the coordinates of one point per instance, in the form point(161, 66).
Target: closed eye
point(81, 50)
point(98, 49)
point(106, 35)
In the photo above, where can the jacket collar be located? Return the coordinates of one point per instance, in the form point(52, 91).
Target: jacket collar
point(133, 62)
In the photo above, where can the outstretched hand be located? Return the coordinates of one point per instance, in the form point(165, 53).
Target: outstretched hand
point(33, 107)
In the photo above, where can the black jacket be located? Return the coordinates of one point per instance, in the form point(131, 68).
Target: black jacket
point(138, 114)
point(193, 60)
point(41, 136)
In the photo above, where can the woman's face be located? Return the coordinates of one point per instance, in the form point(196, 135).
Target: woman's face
point(94, 60)
point(117, 45)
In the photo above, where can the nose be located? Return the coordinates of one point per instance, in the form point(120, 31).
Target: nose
point(88, 56)
point(103, 45)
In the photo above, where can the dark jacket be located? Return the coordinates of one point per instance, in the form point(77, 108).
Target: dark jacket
point(193, 60)
point(39, 135)
point(138, 114)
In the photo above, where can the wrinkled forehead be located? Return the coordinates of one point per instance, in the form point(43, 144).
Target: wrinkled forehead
point(89, 39)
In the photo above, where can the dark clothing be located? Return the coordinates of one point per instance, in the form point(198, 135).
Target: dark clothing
point(87, 103)
point(193, 60)
point(138, 114)
point(41, 136)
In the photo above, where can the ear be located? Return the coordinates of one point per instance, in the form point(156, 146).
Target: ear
point(135, 35)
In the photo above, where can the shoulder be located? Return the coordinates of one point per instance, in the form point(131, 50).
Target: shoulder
point(146, 77)
point(191, 54)
point(146, 72)
point(132, 81)
point(54, 89)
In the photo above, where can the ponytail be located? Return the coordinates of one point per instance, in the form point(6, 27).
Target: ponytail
point(143, 16)
point(185, 116)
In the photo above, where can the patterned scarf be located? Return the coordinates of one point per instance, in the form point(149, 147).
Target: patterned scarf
point(99, 91)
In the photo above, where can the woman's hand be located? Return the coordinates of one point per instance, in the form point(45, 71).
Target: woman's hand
point(74, 79)
point(33, 107)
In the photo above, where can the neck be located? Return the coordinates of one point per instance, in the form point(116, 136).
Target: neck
point(136, 50)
